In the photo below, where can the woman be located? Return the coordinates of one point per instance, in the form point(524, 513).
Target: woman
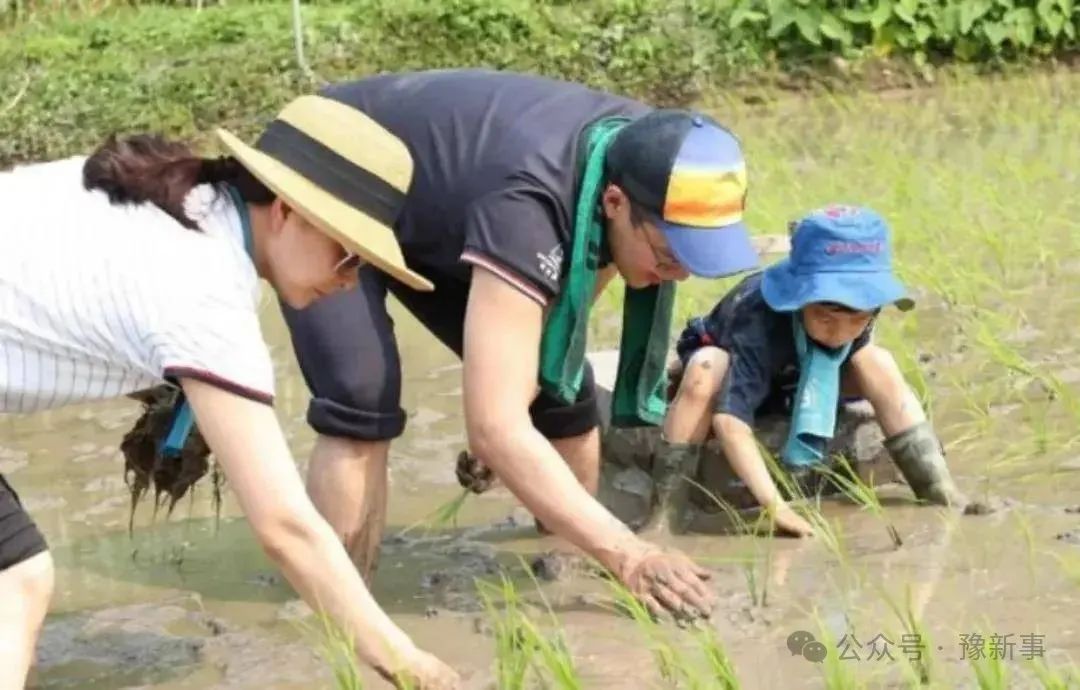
point(86, 314)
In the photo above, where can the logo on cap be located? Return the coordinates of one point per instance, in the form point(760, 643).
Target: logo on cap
point(833, 248)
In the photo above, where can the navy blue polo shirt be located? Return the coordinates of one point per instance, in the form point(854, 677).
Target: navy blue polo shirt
point(495, 177)
point(764, 368)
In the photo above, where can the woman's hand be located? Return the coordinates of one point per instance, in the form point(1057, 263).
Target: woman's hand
point(422, 671)
point(248, 443)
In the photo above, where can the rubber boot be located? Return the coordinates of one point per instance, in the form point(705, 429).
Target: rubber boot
point(674, 466)
point(920, 457)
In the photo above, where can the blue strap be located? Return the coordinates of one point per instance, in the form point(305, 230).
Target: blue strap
point(183, 419)
point(183, 422)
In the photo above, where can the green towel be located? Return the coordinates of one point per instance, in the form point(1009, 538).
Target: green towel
point(638, 398)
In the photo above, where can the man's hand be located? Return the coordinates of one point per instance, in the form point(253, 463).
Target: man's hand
point(667, 580)
point(473, 474)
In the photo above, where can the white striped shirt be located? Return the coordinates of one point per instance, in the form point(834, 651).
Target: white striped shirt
point(100, 300)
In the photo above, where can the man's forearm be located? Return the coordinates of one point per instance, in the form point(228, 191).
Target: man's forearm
point(533, 470)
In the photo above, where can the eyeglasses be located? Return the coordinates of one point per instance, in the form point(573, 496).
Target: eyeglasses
point(665, 260)
point(350, 262)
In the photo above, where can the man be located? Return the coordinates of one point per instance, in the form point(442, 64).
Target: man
point(527, 193)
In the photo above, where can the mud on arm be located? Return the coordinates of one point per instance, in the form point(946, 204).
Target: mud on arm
point(500, 361)
point(501, 358)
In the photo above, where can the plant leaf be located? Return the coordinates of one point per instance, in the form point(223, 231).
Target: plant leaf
point(995, 33)
point(782, 18)
point(900, 10)
point(809, 25)
point(833, 28)
point(858, 15)
point(1023, 23)
point(881, 14)
point(744, 15)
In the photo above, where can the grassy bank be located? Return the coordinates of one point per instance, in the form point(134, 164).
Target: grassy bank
point(70, 73)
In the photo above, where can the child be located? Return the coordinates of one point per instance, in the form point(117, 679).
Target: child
point(801, 327)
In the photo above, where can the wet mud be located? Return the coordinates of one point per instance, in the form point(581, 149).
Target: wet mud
point(185, 601)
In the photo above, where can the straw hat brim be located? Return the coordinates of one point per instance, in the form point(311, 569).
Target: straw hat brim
point(356, 231)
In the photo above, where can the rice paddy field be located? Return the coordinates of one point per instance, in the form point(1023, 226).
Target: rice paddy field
point(979, 180)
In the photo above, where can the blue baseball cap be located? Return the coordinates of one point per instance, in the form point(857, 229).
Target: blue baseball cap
point(839, 254)
point(689, 171)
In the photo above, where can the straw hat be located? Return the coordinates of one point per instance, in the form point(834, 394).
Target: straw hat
point(340, 169)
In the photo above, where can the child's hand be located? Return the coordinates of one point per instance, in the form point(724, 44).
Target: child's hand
point(789, 522)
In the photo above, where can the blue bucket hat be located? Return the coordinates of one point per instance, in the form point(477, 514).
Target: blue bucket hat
point(839, 254)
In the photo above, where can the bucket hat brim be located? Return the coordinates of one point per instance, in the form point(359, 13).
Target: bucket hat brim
point(785, 291)
point(358, 232)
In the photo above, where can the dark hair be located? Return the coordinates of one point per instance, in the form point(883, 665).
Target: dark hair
point(639, 214)
point(149, 168)
point(845, 309)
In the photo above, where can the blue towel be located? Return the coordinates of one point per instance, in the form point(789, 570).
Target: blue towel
point(813, 417)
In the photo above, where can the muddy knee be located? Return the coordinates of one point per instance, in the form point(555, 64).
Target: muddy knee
point(703, 376)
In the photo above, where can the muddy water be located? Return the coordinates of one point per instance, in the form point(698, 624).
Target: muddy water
point(189, 602)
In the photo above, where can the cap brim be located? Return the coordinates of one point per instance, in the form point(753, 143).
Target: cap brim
point(356, 231)
point(784, 290)
point(712, 252)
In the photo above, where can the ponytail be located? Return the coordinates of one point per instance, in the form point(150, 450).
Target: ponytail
point(147, 168)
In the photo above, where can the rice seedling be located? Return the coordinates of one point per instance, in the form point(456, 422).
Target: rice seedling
point(336, 648)
point(552, 650)
point(669, 660)
point(1023, 522)
point(748, 564)
point(514, 644)
point(1070, 566)
point(849, 482)
point(445, 515)
point(721, 671)
point(824, 530)
point(991, 672)
point(836, 672)
point(1055, 679)
point(915, 639)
